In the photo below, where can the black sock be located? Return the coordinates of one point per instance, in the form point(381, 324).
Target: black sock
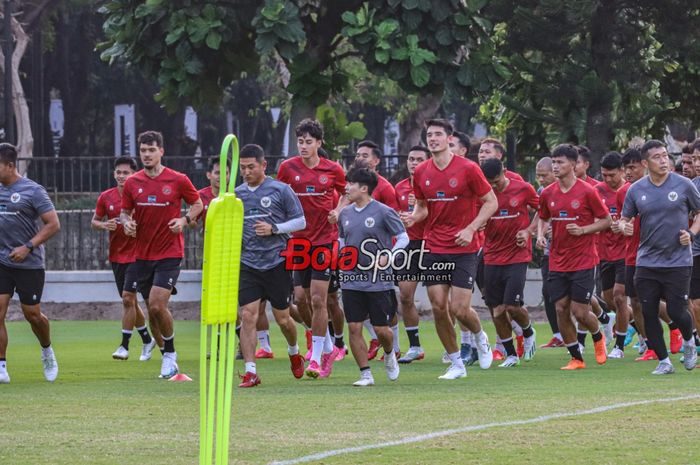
point(339, 343)
point(162, 351)
point(3, 359)
point(510, 348)
point(695, 336)
point(413, 338)
point(672, 326)
point(634, 325)
point(574, 351)
point(238, 332)
point(527, 332)
point(603, 317)
point(169, 344)
point(597, 336)
point(126, 336)
point(620, 341)
point(581, 338)
point(145, 336)
point(363, 369)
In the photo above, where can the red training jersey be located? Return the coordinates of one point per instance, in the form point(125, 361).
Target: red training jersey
point(403, 190)
point(512, 175)
point(580, 205)
point(590, 181)
point(631, 242)
point(611, 246)
point(500, 247)
point(121, 246)
point(207, 195)
point(385, 193)
point(156, 201)
point(315, 188)
point(451, 195)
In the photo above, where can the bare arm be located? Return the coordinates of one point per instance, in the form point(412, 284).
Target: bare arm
point(489, 207)
point(98, 225)
point(600, 224)
point(420, 213)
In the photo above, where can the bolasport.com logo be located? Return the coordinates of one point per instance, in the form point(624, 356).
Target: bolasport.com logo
point(368, 263)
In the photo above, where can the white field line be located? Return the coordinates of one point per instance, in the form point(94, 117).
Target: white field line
point(466, 429)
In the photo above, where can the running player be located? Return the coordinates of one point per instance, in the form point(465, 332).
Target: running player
point(22, 203)
point(576, 213)
point(493, 148)
point(314, 180)
point(583, 164)
point(611, 248)
point(663, 201)
point(507, 252)
point(406, 199)
point(151, 203)
point(369, 225)
point(121, 257)
point(447, 188)
point(459, 144)
point(272, 212)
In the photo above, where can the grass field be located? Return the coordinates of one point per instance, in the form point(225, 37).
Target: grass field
point(105, 412)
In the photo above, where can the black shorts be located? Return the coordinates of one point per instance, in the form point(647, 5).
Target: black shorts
point(480, 277)
point(668, 283)
point(694, 292)
point(506, 284)
point(612, 273)
point(142, 275)
point(379, 306)
point(408, 271)
point(272, 285)
point(303, 277)
point(453, 269)
point(578, 285)
point(630, 287)
point(119, 271)
point(29, 284)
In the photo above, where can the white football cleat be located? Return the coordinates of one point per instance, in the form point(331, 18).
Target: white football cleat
point(4, 377)
point(484, 349)
point(168, 367)
point(530, 346)
point(616, 353)
point(391, 366)
point(365, 380)
point(120, 354)
point(48, 359)
point(455, 372)
point(510, 361)
point(147, 350)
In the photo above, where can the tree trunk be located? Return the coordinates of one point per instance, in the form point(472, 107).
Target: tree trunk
point(598, 132)
point(410, 128)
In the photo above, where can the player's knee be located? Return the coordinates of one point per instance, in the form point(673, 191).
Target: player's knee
point(32, 315)
point(317, 302)
point(129, 299)
point(282, 317)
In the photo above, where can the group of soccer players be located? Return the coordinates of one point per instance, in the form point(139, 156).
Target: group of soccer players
point(625, 244)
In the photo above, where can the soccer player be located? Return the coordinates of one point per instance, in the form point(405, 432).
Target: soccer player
point(272, 212)
point(576, 213)
point(583, 164)
point(151, 203)
point(507, 252)
point(369, 154)
point(406, 199)
point(545, 177)
point(447, 189)
point(459, 144)
point(314, 180)
point(611, 249)
point(210, 192)
point(493, 148)
point(687, 161)
point(22, 203)
point(367, 224)
point(695, 276)
point(121, 257)
point(663, 201)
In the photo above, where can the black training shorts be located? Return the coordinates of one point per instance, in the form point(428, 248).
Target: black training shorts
point(273, 285)
point(28, 283)
point(457, 270)
point(506, 284)
point(379, 306)
point(578, 285)
point(612, 273)
point(142, 275)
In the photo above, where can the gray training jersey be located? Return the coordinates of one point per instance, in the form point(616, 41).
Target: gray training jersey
point(21, 205)
point(371, 228)
point(272, 202)
point(696, 242)
point(663, 212)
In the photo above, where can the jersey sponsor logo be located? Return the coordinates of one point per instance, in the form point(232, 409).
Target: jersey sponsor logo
point(613, 210)
point(563, 214)
point(575, 204)
point(673, 196)
point(265, 202)
point(440, 195)
point(310, 189)
point(3, 208)
point(14, 198)
point(323, 179)
point(151, 199)
point(369, 222)
point(513, 202)
point(452, 182)
point(503, 212)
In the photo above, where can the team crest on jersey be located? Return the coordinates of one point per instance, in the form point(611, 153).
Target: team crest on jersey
point(151, 199)
point(297, 178)
point(14, 198)
point(347, 222)
point(452, 182)
point(644, 197)
point(166, 190)
point(427, 182)
point(323, 179)
point(140, 191)
point(111, 208)
point(403, 197)
point(513, 202)
point(369, 222)
point(672, 196)
point(265, 201)
point(575, 204)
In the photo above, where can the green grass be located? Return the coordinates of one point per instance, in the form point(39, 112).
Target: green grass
point(105, 412)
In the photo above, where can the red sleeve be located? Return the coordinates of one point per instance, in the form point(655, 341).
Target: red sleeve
point(101, 208)
point(620, 199)
point(478, 183)
point(533, 199)
point(417, 190)
point(597, 205)
point(127, 199)
point(390, 197)
point(339, 180)
point(188, 191)
point(544, 209)
point(282, 173)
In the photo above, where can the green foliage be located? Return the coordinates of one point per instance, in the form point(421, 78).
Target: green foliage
point(337, 131)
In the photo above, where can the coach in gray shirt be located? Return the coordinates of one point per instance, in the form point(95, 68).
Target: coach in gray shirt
point(664, 201)
point(22, 203)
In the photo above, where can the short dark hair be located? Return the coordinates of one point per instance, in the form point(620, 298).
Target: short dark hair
point(463, 139)
point(566, 150)
point(687, 150)
point(584, 152)
point(442, 123)
point(611, 161)
point(150, 138)
point(421, 148)
point(696, 144)
point(650, 144)
point(678, 166)
point(8, 154)
point(213, 161)
point(496, 144)
point(363, 176)
point(253, 151)
point(492, 167)
point(631, 155)
point(376, 151)
point(125, 160)
point(311, 127)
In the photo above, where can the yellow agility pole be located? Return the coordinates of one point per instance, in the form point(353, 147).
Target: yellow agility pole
point(222, 256)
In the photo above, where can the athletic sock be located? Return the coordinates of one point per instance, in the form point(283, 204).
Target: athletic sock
point(597, 336)
point(327, 343)
point(264, 340)
point(169, 343)
point(558, 336)
point(602, 304)
point(162, 350)
point(413, 338)
point(517, 329)
point(250, 367)
point(581, 337)
point(665, 360)
point(509, 347)
point(317, 348)
point(620, 340)
point(3, 364)
point(145, 336)
point(528, 331)
point(126, 336)
point(293, 350)
point(574, 351)
point(604, 318)
point(672, 326)
point(339, 342)
point(466, 337)
point(397, 343)
point(456, 359)
point(370, 329)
